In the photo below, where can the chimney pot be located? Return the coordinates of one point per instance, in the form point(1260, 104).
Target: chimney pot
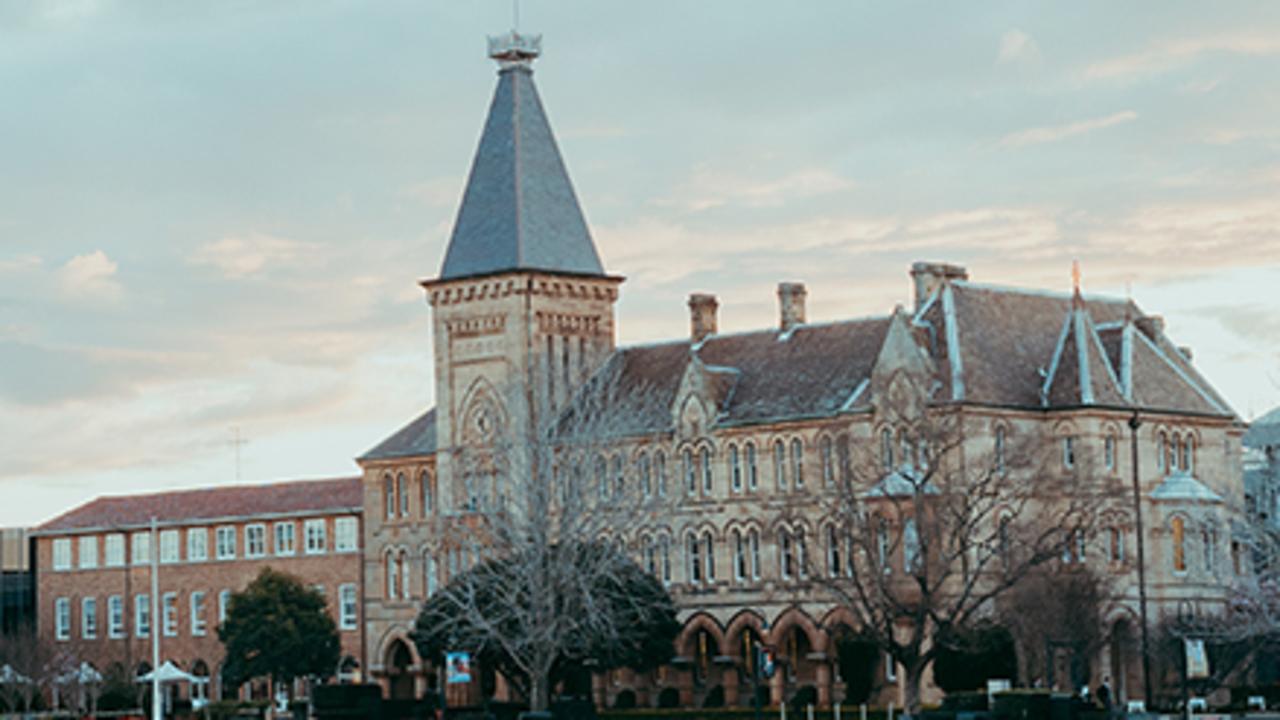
point(790, 305)
point(702, 315)
point(929, 276)
point(1186, 351)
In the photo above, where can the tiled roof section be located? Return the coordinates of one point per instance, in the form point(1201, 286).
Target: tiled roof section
point(234, 501)
point(811, 371)
point(519, 211)
point(1158, 385)
point(1264, 431)
point(1081, 373)
point(415, 439)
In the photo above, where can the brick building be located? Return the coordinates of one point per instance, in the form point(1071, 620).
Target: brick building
point(93, 566)
point(746, 426)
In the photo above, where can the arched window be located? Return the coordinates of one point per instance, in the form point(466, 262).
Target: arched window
point(708, 478)
point(693, 550)
point(802, 554)
point(886, 449)
point(428, 498)
point(735, 469)
point(709, 550)
point(389, 495)
point(883, 551)
point(910, 545)
point(431, 570)
point(833, 551)
point(405, 585)
point(908, 450)
point(1161, 442)
point(797, 462)
point(660, 470)
point(393, 576)
point(1002, 537)
point(1109, 451)
point(1069, 452)
point(646, 475)
point(786, 554)
point(688, 472)
point(619, 478)
point(1171, 462)
point(1115, 545)
point(402, 489)
point(753, 475)
point(739, 557)
point(664, 549)
point(1209, 538)
point(999, 460)
point(1178, 538)
point(1188, 453)
point(650, 554)
point(753, 549)
point(780, 464)
point(828, 461)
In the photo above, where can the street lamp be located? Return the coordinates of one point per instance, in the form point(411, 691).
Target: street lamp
point(1134, 423)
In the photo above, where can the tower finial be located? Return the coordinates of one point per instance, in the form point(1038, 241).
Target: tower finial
point(1076, 299)
point(514, 49)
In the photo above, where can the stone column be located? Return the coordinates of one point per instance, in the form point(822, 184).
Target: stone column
point(729, 679)
point(777, 687)
point(823, 681)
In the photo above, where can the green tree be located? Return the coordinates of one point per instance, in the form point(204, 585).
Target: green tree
point(601, 607)
point(278, 627)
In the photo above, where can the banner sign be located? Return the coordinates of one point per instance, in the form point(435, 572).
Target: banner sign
point(457, 667)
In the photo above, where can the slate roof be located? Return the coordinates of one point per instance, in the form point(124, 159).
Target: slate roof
point(1264, 431)
point(519, 211)
point(299, 497)
point(415, 439)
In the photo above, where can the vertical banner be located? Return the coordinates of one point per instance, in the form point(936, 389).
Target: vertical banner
point(457, 667)
point(1197, 660)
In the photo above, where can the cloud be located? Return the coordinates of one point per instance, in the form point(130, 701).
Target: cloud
point(90, 276)
point(1054, 133)
point(438, 192)
point(1017, 47)
point(708, 188)
point(1165, 56)
point(243, 256)
point(21, 263)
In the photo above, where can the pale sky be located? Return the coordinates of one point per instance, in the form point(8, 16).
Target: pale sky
point(214, 214)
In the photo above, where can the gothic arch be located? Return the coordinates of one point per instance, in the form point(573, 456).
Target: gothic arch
point(483, 412)
point(745, 618)
point(700, 621)
point(388, 640)
point(794, 617)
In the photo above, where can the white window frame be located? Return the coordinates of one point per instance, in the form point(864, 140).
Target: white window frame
point(225, 542)
point(169, 614)
point(224, 601)
point(88, 552)
point(62, 554)
point(197, 544)
point(62, 617)
point(284, 536)
point(198, 624)
point(115, 616)
point(169, 547)
point(348, 607)
point(255, 532)
point(140, 548)
point(346, 532)
point(316, 536)
point(142, 615)
point(113, 550)
point(89, 618)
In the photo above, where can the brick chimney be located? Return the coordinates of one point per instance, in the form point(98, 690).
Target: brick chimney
point(702, 315)
point(929, 276)
point(790, 305)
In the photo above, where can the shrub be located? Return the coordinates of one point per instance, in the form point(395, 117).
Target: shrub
point(625, 700)
point(669, 698)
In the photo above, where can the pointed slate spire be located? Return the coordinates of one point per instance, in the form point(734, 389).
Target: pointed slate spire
point(519, 211)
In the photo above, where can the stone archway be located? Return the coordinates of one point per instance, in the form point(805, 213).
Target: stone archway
point(1125, 661)
point(399, 670)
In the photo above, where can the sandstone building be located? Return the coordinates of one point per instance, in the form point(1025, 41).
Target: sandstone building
point(746, 428)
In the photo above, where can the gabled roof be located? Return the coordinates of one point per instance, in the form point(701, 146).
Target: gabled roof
point(121, 512)
point(519, 211)
point(1080, 373)
point(415, 439)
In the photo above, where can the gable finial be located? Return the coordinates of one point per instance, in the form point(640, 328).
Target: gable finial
point(514, 49)
point(1075, 283)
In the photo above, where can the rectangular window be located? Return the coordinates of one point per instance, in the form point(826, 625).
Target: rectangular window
point(890, 668)
point(197, 544)
point(1068, 452)
point(62, 616)
point(225, 539)
point(169, 546)
point(142, 615)
point(62, 554)
point(197, 614)
point(169, 613)
point(88, 552)
point(255, 541)
point(89, 618)
point(315, 534)
point(115, 616)
point(141, 542)
point(285, 538)
point(344, 531)
point(114, 550)
point(224, 601)
point(347, 606)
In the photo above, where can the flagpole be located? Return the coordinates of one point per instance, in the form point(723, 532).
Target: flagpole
point(157, 706)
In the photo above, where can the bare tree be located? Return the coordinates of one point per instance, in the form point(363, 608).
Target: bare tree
point(546, 518)
point(1056, 608)
point(940, 525)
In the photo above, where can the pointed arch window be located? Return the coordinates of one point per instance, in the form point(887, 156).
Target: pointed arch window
point(797, 463)
point(660, 472)
point(735, 469)
point(1171, 462)
point(619, 478)
point(1188, 453)
point(910, 545)
point(428, 496)
point(709, 551)
point(694, 553)
point(827, 456)
point(886, 449)
point(650, 556)
point(1161, 442)
point(431, 571)
point(708, 470)
point(1000, 442)
point(739, 557)
point(1109, 452)
point(389, 495)
point(392, 574)
point(753, 475)
point(833, 552)
point(646, 475)
point(780, 464)
point(402, 489)
point(405, 577)
point(689, 472)
point(1069, 452)
point(664, 551)
point(753, 550)
point(786, 554)
point(1178, 540)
